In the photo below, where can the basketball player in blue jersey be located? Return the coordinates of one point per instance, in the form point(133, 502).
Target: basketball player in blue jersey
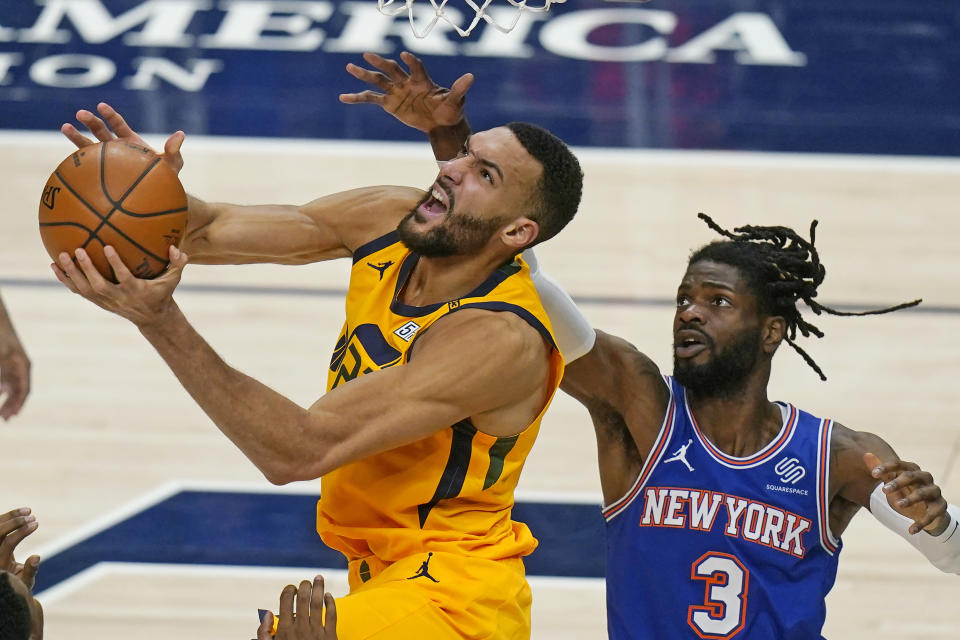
point(724, 510)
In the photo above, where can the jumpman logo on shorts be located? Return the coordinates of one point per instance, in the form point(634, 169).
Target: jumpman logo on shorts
point(423, 572)
point(681, 455)
point(381, 266)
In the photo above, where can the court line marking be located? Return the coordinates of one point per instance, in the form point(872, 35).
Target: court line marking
point(654, 157)
point(166, 490)
point(585, 300)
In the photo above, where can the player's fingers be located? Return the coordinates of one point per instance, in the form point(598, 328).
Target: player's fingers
point(418, 72)
point(15, 537)
point(873, 464)
point(13, 519)
point(171, 150)
point(29, 573)
point(116, 121)
point(286, 609)
point(460, 87)
point(266, 627)
point(920, 493)
point(368, 96)
point(63, 278)
point(75, 136)
point(330, 617)
point(303, 605)
point(174, 270)
point(390, 67)
point(97, 282)
point(120, 270)
point(78, 281)
point(934, 510)
point(97, 126)
point(316, 602)
point(378, 80)
point(905, 479)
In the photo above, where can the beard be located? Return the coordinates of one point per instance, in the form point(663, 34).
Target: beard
point(458, 234)
point(725, 374)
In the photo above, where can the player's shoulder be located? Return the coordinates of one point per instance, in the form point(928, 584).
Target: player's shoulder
point(618, 379)
point(844, 440)
point(622, 355)
point(847, 448)
point(488, 328)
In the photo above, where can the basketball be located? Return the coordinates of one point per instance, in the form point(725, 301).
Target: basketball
point(114, 193)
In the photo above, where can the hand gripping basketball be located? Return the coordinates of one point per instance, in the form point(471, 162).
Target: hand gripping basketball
point(117, 191)
point(142, 302)
point(113, 126)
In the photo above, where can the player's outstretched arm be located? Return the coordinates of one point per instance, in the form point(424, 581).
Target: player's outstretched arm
point(899, 494)
point(315, 617)
point(491, 367)
point(627, 399)
point(413, 98)
point(223, 233)
point(14, 368)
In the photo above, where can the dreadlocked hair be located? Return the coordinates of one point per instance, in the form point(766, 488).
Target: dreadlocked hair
point(781, 268)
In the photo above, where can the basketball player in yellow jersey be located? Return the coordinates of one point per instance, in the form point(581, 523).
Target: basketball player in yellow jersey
point(443, 371)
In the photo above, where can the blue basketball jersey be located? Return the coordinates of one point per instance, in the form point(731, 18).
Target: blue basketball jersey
point(706, 545)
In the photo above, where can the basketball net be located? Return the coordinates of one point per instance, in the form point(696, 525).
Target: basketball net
point(396, 7)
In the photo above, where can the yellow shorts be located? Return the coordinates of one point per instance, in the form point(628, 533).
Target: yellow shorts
point(439, 596)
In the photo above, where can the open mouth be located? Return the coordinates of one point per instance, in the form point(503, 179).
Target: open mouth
point(437, 204)
point(687, 343)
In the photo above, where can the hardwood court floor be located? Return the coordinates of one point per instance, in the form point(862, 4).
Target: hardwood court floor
point(107, 423)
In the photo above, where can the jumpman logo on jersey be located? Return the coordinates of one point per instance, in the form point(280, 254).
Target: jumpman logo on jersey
point(423, 572)
point(380, 266)
point(681, 455)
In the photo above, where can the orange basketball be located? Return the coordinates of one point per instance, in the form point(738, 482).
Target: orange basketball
point(119, 194)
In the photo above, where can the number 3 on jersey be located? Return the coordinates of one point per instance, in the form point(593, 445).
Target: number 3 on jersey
point(724, 607)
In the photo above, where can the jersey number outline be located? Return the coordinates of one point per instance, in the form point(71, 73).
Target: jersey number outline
point(723, 612)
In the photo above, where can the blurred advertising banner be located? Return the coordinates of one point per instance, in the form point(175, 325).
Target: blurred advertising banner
point(860, 76)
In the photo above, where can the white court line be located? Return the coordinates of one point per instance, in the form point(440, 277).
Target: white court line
point(637, 157)
point(312, 487)
point(100, 523)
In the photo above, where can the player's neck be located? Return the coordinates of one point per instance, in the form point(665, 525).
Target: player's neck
point(738, 424)
point(436, 280)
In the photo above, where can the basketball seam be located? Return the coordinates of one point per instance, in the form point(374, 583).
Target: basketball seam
point(96, 213)
point(114, 203)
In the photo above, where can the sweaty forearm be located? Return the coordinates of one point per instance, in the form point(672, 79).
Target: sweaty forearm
point(448, 141)
point(265, 426)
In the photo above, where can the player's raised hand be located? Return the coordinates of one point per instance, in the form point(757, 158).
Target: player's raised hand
point(142, 302)
point(14, 527)
point(410, 96)
point(310, 621)
point(911, 492)
point(113, 126)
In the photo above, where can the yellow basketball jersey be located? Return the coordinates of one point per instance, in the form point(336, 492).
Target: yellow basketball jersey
point(452, 491)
